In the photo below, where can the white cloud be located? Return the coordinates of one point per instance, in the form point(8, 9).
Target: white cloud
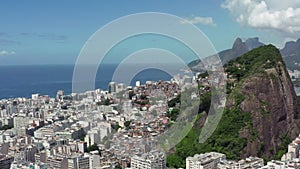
point(6, 53)
point(199, 20)
point(280, 16)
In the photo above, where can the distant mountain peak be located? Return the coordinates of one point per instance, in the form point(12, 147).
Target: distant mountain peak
point(291, 48)
point(238, 48)
point(253, 43)
point(237, 43)
point(250, 43)
point(292, 44)
point(291, 54)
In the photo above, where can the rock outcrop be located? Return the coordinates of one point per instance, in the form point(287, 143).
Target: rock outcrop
point(268, 95)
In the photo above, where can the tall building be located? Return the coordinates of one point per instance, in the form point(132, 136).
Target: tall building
point(20, 121)
point(187, 79)
point(138, 83)
point(29, 153)
point(204, 161)
point(112, 87)
point(83, 162)
point(35, 96)
point(58, 162)
point(59, 94)
point(92, 137)
point(94, 159)
point(79, 161)
point(120, 87)
point(41, 157)
point(6, 161)
point(153, 159)
point(104, 131)
point(82, 146)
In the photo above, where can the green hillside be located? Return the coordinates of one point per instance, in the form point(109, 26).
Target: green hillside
point(227, 138)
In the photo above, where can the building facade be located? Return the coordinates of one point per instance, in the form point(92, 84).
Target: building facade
point(150, 160)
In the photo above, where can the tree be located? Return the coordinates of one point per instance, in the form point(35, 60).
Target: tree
point(116, 127)
point(5, 127)
point(118, 166)
point(107, 102)
point(143, 97)
point(127, 124)
point(92, 148)
point(131, 94)
point(83, 136)
point(172, 102)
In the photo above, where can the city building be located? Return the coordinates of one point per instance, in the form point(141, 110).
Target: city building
point(120, 87)
point(92, 137)
point(250, 162)
point(20, 121)
point(29, 153)
point(58, 162)
point(204, 161)
point(293, 150)
point(149, 160)
point(94, 159)
point(59, 94)
point(5, 161)
point(41, 157)
point(79, 161)
point(138, 83)
point(35, 96)
point(112, 87)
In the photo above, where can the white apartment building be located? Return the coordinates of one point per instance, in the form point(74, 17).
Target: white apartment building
point(20, 121)
point(293, 150)
point(204, 161)
point(79, 161)
point(94, 159)
point(92, 137)
point(149, 160)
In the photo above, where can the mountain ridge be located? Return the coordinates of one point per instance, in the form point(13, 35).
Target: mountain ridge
point(238, 48)
point(261, 115)
point(290, 53)
point(268, 95)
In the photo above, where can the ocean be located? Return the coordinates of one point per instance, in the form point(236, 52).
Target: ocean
point(23, 81)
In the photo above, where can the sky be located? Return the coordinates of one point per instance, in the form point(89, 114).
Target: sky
point(54, 32)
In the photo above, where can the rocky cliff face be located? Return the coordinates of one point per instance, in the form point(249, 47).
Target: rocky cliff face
point(272, 104)
point(268, 95)
point(261, 116)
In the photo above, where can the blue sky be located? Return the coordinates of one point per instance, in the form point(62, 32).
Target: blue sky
point(53, 32)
